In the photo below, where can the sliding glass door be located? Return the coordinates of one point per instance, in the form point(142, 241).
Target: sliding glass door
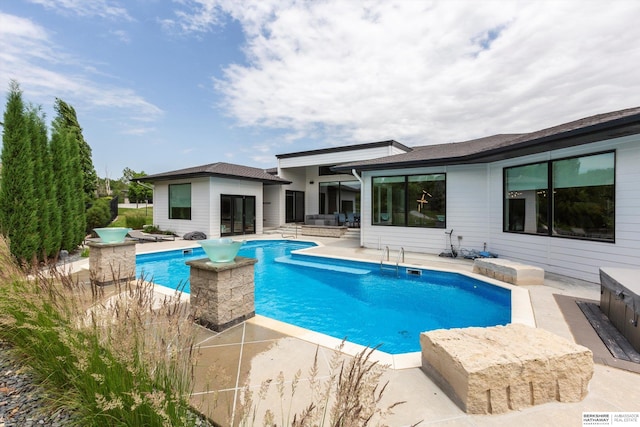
point(294, 206)
point(237, 215)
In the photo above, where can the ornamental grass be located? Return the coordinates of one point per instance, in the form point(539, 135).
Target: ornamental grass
point(119, 360)
point(123, 356)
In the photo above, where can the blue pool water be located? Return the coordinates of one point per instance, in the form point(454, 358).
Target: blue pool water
point(347, 299)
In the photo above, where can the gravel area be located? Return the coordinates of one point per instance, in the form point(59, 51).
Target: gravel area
point(22, 403)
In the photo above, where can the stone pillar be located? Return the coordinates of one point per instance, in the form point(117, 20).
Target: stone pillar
point(222, 294)
point(111, 262)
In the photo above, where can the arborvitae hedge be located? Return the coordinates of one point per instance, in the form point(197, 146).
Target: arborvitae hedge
point(18, 203)
point(42, 191)
point(69, 138)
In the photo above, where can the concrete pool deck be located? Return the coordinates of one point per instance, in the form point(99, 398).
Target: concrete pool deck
point(258, 349)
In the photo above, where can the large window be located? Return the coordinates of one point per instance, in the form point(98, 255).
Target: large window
point(180, 201)
point(526, 195)
point(409, 201)
point(339, 197)
point(572, 197)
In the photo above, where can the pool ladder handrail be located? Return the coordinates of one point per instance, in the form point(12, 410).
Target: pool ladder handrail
point(384, 266)
point(291, 236)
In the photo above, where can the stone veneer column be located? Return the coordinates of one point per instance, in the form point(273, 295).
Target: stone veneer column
point(111, 262)
point(222, 294)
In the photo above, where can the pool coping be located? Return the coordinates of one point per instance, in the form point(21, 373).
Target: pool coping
point(521, 312)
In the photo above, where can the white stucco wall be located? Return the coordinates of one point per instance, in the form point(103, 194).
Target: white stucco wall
point(337, 157)
point(273, 198)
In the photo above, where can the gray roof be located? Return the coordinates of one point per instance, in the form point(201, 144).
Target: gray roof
point(504, 146)
point(220, 169)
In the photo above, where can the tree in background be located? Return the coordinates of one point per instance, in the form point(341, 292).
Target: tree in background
point(137, 192)
point(45, 193)
point(68, 118)
point(68, 177)
point(18, 205)
point(60, 152)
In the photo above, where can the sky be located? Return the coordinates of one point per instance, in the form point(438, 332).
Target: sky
point(160, 85)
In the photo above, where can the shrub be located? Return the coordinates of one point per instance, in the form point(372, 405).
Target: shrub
point(98, 215)
point(135, 220)
point(154, 229)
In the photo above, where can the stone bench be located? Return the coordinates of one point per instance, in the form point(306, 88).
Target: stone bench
point(503, 368)
point(509, 271)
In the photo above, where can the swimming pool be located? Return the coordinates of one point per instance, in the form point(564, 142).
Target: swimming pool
point(347, 299)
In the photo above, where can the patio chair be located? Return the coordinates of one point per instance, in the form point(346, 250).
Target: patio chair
point(351, 220)
point(148, 237)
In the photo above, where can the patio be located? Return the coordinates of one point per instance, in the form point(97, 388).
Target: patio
point(260, 348)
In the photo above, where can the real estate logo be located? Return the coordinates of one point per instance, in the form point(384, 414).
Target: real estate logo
point(627, 419)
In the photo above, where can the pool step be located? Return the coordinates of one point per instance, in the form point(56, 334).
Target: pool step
point(311, 264)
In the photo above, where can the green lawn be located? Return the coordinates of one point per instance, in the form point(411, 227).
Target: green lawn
point(121, 221)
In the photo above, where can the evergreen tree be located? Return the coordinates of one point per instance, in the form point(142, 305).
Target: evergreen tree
point(48, 212)
point(32, 121)
point(67, 114)
point(61, 140)
point(65, 149)
point(18, 204)
point(75, 176)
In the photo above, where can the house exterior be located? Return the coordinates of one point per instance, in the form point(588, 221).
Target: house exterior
point(316, 188)
point(563, 198)
point(218, 199)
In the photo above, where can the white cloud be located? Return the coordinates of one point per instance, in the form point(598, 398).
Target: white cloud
point(138, 131)
point(87, 8)
point(196, 16)
point(121, 35)
point(425, 72)
point(46, 71)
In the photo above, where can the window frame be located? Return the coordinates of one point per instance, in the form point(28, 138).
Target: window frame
point(407, 203)
point(551, 202)
point(188, 215)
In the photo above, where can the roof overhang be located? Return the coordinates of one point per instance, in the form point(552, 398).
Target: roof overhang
point(340, 149)
point(193, 175)
point(520, 145)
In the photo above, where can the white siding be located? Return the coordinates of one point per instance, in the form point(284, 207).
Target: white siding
point(233, 187)
point(475, 212)
point(577, 258)
point(412, 239)
point(205, 204)
point(199, 207)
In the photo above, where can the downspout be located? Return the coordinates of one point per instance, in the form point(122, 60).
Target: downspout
point(354, 173)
